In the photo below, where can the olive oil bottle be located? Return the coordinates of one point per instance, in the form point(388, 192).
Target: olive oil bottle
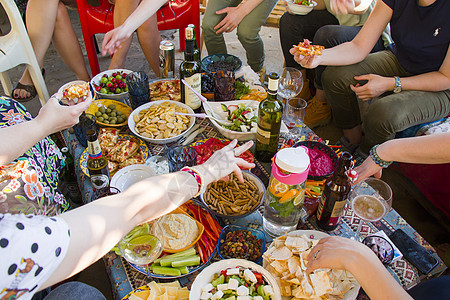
point(97, 164)
point(269, 122)
point(190, 70)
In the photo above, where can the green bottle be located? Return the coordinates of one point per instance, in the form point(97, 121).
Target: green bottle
point(197, 54)
point(97, 164)
point(190, 70)
point(269, 122)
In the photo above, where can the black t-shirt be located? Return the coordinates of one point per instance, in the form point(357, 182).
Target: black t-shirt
point(421, 34)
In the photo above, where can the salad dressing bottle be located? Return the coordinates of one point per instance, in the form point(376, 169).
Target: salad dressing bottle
point(269, 122)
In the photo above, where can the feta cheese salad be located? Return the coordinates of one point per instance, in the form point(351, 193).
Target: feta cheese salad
point(243, 116)
point(237, 284)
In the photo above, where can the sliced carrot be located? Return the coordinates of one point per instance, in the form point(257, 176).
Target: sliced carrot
point(312, 192)
point(314, 183)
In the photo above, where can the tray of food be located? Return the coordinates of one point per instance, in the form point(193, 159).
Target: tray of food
point(165, 89)
point(121, 150)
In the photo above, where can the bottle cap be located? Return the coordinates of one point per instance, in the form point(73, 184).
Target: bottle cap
point(293, 160)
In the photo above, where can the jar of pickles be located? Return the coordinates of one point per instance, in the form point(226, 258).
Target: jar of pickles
point(286, 191)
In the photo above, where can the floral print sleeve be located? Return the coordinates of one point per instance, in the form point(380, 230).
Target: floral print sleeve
point(29, 184)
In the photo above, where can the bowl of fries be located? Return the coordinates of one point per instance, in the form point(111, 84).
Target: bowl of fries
point(156, 122)
point(232, 199)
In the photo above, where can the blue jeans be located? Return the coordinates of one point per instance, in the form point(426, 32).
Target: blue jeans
point(75, 291)
point(247, 30)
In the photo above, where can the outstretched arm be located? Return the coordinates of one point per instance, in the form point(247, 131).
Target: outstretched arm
point(115, 37)
point(96, 227)
point(428, 149)
point(52, 117)
point(345, 254)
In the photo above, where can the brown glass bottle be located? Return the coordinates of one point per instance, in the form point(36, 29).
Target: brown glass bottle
point(334, 196)
point(97, 164)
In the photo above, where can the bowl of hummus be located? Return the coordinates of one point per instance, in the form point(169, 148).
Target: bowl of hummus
point(177, 230)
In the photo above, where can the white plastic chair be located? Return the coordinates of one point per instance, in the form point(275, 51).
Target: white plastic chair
point(16, 49)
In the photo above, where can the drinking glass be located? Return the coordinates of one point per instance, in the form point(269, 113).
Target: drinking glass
point(138, 88)
point(87, 122)
point(142, 249)
point(224, 89)
point(290, 83)
point(370, 200)
point(294, 115)
point(107, 191)
point(181, 156)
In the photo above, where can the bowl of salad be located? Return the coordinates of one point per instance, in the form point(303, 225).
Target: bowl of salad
point(235, 277)
point(301, 7)
point(242, 113)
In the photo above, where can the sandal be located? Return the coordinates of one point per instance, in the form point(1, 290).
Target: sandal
point(27, 87)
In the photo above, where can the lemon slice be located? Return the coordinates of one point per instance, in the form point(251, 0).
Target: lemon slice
point(277, 188)
point(299, 199)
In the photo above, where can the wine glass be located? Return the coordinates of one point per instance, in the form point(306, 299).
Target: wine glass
point(142, 249)
point(294, 115)
point(370, 200)
point(290, 83)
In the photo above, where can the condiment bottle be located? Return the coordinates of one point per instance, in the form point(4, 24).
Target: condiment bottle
point(286, 191)
point(334, 196)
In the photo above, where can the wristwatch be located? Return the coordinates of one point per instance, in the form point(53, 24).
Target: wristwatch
point(398, 85)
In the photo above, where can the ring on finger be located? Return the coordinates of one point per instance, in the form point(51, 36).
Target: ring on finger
point(315, 255)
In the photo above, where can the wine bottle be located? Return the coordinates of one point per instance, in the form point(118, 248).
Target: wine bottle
point(97, 164)
point(269, 122)
point(334, 196)
point(190, 71)
point(68, 184)
point(197, 53)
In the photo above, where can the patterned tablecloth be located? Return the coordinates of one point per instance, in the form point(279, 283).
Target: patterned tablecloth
point(125, 278)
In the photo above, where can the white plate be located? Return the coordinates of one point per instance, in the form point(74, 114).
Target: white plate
point(132, 123)
point(206, 276)
point(129, 175)
point(231, 134)
point(317, 235)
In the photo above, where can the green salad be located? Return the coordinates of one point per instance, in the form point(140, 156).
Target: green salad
point(243, 117)
point(237, 284)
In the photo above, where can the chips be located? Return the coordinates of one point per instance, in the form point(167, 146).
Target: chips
point(162, 291)
point(286, 260)
point(160, 122)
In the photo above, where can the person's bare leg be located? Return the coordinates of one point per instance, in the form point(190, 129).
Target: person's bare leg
point(122, 9)
point(149, 38)
point(41, 18)
point(66, 43)
point(354, 135)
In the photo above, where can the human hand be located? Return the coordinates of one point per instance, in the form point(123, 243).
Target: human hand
point(113, 40)
point(309, 62)
point(375, 86)
point(225, 161)
point(231, 21)
point(343, 7)
point(337, 252)
point(55, 117)
point(367, 169)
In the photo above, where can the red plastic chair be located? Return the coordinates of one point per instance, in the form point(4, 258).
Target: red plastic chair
point(176, 14)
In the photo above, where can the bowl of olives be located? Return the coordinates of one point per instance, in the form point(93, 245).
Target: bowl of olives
point(111, 84)
point(110, 113)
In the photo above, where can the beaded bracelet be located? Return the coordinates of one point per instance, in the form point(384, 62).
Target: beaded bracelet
point(197, 177)
point(377, 159)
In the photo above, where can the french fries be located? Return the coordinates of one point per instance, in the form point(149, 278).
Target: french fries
point(160, 122)
point(233, 197)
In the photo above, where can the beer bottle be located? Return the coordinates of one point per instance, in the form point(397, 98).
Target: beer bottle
point(269, 122)
point(190, 70)
point(334, 196)
point(197, 54)
point(68, 184)
point(97, 164)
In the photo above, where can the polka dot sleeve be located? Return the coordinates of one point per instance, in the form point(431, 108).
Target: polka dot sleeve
point(31, 248)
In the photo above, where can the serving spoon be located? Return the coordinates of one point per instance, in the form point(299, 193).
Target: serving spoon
point(202, 98)
point(203, 115)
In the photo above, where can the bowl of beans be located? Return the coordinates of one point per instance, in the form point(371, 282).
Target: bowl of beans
point(241, 242)
point(221, 62)
point(233, 199)
point(323, 159)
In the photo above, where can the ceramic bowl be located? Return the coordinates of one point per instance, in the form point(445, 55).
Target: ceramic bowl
point(132, 123)
point(130, 175)
point(329, 152)
point(96, 81)
point(300, 9)
point(96, 104)
point(258, 234)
